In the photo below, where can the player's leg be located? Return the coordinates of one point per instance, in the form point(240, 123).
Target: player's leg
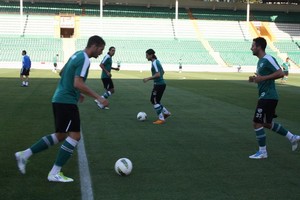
point(258, 121)
point(22, 73)
point(278, 128)
point(70, 123)
point(109, 88)
point(107, 84)
point(156, 96)
point(44, 143)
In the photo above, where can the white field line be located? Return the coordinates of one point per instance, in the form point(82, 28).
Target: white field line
point(84, 172)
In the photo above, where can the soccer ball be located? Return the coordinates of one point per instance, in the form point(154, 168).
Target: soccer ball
point(141, 116)
point(123, 166)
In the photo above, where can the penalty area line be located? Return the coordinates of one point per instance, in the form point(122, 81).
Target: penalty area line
point(84, 172)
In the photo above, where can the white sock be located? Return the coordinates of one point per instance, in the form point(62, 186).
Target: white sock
point(55, 140)
point(55, 170)
point(27, 153)
point(289, 135)
point(161, 116)
point(165, 111)
point(263, 149)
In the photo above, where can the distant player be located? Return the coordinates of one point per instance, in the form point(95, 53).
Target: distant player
point(55, 59)
point(285, 67)
point(106, 66)
point(158, 88)
point(267, 72)
point(26, 65)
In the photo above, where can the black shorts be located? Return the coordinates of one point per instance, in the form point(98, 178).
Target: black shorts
point(66, 117)
point(24, 72)
point(157, 93)
point(286, 73)
point(55, 64)
point(107, 83)
point(265, 111)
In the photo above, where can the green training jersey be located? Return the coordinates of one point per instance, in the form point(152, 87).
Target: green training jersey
point(107, 62)
point(265, 66)
point(156, 67)
point(77, 66)
point(286, 66)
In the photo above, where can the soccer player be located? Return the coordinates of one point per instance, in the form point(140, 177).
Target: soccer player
point(106, 66)
point(55, 58)
point(70, 90)
point(285, 67)
point(26, 65)
point(267, 71)
point(158, 88)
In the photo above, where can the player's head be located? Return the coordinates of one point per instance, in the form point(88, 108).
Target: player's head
point(111, 51)
point(259, 45)
point(95, 46)
point(287, 59)
point(150, 54)
point(24, 52)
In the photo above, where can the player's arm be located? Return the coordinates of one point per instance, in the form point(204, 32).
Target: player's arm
point(156, 75)
point(277, 74)
point(84, 89)
point(115, 68)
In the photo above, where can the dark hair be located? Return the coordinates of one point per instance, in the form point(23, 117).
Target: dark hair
point(24, 52)
point(260, 41)
point(151, 52)
point(110, 48)
point(95, 40)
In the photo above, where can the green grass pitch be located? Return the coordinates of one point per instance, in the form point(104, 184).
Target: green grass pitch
point(201, 153)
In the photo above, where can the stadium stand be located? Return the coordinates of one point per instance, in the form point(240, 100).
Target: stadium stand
point(193, 39)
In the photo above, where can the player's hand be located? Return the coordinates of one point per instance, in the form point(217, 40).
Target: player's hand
point(108, 74)
point(145, 80)
point(251, 79)
point(81, 98)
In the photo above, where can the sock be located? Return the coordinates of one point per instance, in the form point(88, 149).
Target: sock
point(260, 136)
point(279, 129)
point(161, 116)
point(55, 170)
point(289, 135)
point(23, 82)
point(165, 111)
point(106, 94)
point(66, 151)
point(27, 153)
point(263, 149)
point(158, 108)
point(44, 143)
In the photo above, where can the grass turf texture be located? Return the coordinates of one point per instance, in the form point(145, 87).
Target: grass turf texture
point(200, 153)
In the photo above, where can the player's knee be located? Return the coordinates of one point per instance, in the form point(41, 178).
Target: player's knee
point(257, 125)
point(61, 136)
point(268, 125)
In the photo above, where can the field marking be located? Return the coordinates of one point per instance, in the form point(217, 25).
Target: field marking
point(84, 172)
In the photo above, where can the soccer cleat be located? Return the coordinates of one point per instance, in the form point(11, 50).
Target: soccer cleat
point(259, 155)
point(59, 178)
point(159, 121)
point(166, 115)
point(21, 161)
point(294, 141)
point(100, 105)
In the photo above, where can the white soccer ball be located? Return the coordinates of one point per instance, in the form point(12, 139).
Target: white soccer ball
point(123, 166)
point(141, 116)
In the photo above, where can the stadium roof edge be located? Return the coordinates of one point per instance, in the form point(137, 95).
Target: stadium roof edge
point(214, 5)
